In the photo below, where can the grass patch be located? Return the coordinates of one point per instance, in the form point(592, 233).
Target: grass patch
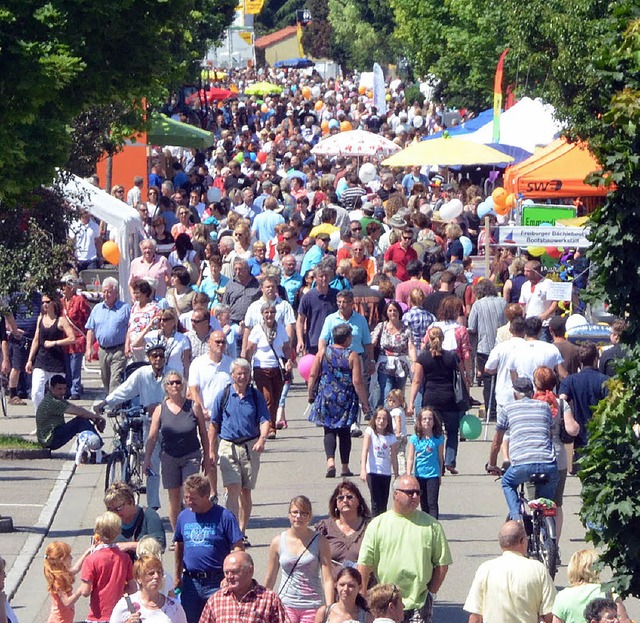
point(8, 442)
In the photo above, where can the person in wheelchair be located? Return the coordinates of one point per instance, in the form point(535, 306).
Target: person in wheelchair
point(145, 384)
point(529, 423)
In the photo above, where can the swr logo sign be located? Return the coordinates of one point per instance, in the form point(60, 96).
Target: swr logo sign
point(552, 186)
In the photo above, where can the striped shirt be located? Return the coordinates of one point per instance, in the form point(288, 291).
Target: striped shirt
point(529, 424)
point(485, 318)
point(418, 320)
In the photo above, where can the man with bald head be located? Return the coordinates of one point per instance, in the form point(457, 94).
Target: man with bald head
point(242, 598)
point(511, 588)
point(389, 548)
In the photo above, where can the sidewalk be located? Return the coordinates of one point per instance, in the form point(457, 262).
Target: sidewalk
point(472, 510)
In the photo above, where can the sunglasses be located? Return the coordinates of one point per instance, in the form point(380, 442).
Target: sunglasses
point(44, 302)
point(410, 492)
point(117, 509)
point(193, 321)
point(155, 355)
point(345, 496)
point(407, 238)
point(175, 382)
point(218, 341)
point(356, 229)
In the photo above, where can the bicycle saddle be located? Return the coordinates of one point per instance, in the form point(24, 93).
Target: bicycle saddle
point(539, 479)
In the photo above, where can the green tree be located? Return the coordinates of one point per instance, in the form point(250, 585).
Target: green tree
point(363, 29)
point(60, 58)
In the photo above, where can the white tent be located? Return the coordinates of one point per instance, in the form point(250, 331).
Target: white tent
point(528, 124)
point(124, 221)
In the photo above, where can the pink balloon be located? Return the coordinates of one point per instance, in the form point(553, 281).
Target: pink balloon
point(304, 366)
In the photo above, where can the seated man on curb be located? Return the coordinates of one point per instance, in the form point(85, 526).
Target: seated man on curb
point(53, 432)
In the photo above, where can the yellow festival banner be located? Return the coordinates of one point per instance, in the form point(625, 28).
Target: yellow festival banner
point(246, 36)
point(253, 7)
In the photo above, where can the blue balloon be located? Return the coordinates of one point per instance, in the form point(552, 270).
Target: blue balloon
point(484, 210)
point(545, 225)
point(490, 202)
point(466, 245)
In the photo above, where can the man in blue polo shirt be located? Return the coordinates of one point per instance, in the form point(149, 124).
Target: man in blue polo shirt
point(205, 535)
point(361, 340)
point(239, 417)
point(108, 323)
point(313, 310)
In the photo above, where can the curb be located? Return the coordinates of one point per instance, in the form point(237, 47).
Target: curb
point(34, 540)
point(13, 454)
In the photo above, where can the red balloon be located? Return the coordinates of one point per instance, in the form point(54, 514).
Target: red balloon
point(553, 252)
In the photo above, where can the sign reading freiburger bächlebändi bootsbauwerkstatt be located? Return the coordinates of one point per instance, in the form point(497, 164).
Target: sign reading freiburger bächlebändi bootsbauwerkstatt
point(544, 236)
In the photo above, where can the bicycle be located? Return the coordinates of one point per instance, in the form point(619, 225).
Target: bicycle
point(127, 456)
point(538, 519)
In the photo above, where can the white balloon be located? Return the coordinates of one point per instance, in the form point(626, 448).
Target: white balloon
point(214, 195)
point(450, 210)
point(575, 320)
point(315, 91)
point(334, 240)
point(418, 121)
point(367, 173)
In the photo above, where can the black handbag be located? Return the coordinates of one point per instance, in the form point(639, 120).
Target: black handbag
point(460, 390)
point(565, 437)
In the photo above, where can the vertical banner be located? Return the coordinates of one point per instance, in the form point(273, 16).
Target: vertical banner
point(253, 7)
point(299, 36)
point(497, 97)
point(379, 100)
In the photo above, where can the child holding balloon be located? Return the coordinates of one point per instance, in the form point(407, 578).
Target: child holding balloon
point(425, 458)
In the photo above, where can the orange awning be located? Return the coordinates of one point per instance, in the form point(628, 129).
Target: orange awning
point(558, 170)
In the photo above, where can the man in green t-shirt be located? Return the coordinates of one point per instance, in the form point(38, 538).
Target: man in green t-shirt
point(389, 549)
point(53, 432)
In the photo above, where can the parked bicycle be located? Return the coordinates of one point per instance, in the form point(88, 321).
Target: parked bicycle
point(538, 519)
point(127, 456)
point(4, 391)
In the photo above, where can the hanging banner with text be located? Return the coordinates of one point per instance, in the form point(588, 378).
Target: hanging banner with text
point(544, 236)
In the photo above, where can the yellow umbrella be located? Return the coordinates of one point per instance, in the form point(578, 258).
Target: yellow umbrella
point(446, 151)
point(263, 88)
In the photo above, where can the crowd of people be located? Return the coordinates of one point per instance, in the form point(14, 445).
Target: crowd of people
point(254, 256)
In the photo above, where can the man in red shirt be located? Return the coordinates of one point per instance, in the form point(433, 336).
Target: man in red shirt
point(242, 598)
point(402, 253)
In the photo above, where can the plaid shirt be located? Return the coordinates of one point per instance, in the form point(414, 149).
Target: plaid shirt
point(418, 320)
point(259, 605)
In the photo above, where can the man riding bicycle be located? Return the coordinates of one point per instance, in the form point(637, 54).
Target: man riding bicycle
point(529, 423)
point(145, 383)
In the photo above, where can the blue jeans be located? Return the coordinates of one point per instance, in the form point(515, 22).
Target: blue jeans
point(73, 372)
point(451, 423)
point(517, 474)
point(387, 383)
point(195, 592)
point(67, 431)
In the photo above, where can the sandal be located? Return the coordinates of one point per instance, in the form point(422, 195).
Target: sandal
point(331, 473)
point(347, 474)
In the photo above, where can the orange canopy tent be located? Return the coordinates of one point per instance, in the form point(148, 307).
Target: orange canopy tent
point(558, 170)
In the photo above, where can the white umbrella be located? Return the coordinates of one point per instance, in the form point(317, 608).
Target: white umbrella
point(356, 143)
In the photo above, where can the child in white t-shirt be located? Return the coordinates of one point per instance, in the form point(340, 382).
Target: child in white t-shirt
point(396, 405)
point(379, 459)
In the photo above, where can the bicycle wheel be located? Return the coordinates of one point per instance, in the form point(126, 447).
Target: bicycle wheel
point(116, 469)
point(134, 475)
point(548, 545)
point(3, 397)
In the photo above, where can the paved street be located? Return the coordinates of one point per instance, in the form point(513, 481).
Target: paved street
point(471, 503)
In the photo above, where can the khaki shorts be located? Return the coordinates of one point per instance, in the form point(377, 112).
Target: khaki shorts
point(239, 464)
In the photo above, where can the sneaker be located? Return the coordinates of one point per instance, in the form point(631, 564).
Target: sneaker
point(81, 453)
point(355, 430)
point(17, 401)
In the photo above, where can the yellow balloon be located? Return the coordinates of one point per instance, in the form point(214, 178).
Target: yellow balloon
point(110, 252)
point(535, 251)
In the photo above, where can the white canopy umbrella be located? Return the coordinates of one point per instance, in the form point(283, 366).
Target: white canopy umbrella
point(356, 143)
point(528, 124)
point(124, 220)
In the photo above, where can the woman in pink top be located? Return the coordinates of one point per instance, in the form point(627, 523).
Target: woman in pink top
point(150, 265)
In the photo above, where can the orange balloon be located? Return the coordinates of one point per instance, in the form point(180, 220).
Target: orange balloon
point(510, 201)
point(369, 94)
point(264, 108)
point(233, 88)
point(325, 125)
point(306, 93)
point(318, 105)
point(362, 89)
point(345, 126)
point(499, 196)
point(110, 252)
point(502, 209)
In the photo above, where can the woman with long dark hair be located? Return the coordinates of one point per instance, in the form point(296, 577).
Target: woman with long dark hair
point(434, 371)
point(350, 605)
point(47, 356)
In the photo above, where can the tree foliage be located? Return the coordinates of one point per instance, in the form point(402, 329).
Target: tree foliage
point(62, 58)
point(276, 14)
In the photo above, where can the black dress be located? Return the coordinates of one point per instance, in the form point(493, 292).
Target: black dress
point(50, 359)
